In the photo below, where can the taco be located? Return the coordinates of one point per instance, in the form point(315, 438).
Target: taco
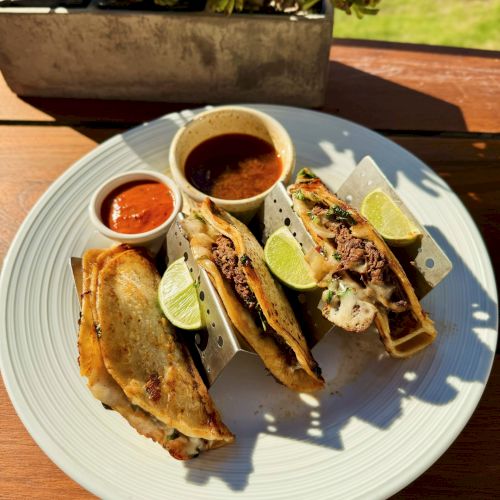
point(132, 360)
point(255, 303)
point(363, 280)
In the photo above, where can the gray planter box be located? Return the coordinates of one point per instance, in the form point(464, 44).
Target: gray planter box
point(166, 56)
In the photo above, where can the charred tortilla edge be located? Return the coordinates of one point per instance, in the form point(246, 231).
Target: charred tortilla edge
point(92, 364)
point(212, 429)
point(265, 347)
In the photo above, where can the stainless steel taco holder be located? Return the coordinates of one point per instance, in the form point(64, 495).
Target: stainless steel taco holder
point(425, 264)
point(220, 344)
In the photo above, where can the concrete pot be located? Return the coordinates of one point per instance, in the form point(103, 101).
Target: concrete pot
point(166, 56)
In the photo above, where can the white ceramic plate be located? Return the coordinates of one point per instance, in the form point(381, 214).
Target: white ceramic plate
point(378, 424)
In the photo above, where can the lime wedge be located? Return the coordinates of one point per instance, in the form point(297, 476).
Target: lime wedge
point(388, 219)
point(178, 297)
point(286, 261)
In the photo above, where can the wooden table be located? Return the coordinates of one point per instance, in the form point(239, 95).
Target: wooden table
point(442, 104)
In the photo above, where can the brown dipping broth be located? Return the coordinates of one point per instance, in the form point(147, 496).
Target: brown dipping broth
point(233, 166)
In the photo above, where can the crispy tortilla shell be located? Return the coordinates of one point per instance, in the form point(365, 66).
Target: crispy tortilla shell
point(305, 374)
point(101, 384)
point(420, 330)
point(132, 361)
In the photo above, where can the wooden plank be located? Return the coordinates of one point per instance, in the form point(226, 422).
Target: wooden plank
point(25, 471)
point(384, 86)
point(14, 108)
point(30, 159)
point(389, 86)
point(472, 169)
point(469, 469)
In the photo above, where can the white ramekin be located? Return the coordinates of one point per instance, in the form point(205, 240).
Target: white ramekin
point(230, 120)
point(137, 175)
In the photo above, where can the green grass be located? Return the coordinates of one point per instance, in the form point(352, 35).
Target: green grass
point(457, 23)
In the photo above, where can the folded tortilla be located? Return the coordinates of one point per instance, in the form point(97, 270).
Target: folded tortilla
point(255, 303)
point(364, 281)
point(133, 361)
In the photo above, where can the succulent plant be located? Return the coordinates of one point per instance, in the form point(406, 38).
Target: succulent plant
point(358, 7)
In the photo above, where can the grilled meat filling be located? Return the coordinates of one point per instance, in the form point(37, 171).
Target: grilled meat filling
point(401, 323)
point(361, 256)
point(229, 264)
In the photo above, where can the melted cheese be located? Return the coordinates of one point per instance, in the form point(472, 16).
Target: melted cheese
point(195, 445)
point(348, 305)
point(322, 266)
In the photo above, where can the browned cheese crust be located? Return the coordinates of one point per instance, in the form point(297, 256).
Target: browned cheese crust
point(407, 332)
point(119, 313)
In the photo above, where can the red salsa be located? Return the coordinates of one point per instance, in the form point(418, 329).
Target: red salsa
point(233, 166)
point(137, 207)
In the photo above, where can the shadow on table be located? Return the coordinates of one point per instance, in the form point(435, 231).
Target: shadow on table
point(383, 105)
point(360, 96)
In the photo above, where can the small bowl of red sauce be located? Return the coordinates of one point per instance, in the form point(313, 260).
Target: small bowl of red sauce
point(135, 207)
point(233, 154)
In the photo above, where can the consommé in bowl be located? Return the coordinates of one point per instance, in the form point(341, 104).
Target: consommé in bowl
point(207, 129)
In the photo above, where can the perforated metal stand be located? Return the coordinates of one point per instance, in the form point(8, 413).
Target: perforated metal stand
point(425, 264)
point(220, 343)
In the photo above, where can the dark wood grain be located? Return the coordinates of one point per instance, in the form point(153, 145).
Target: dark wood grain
point(32, 157)
point(470, 468)
point(409, 87)
point(472, 169)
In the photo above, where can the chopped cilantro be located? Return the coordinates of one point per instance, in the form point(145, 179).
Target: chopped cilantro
point(340, 214)
point(262, 318)
point(313, 217)
point(198, 216)
point(337, 256)
point(342, 290)
point(307, 174)
point(299, 195)
point(244, 259)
